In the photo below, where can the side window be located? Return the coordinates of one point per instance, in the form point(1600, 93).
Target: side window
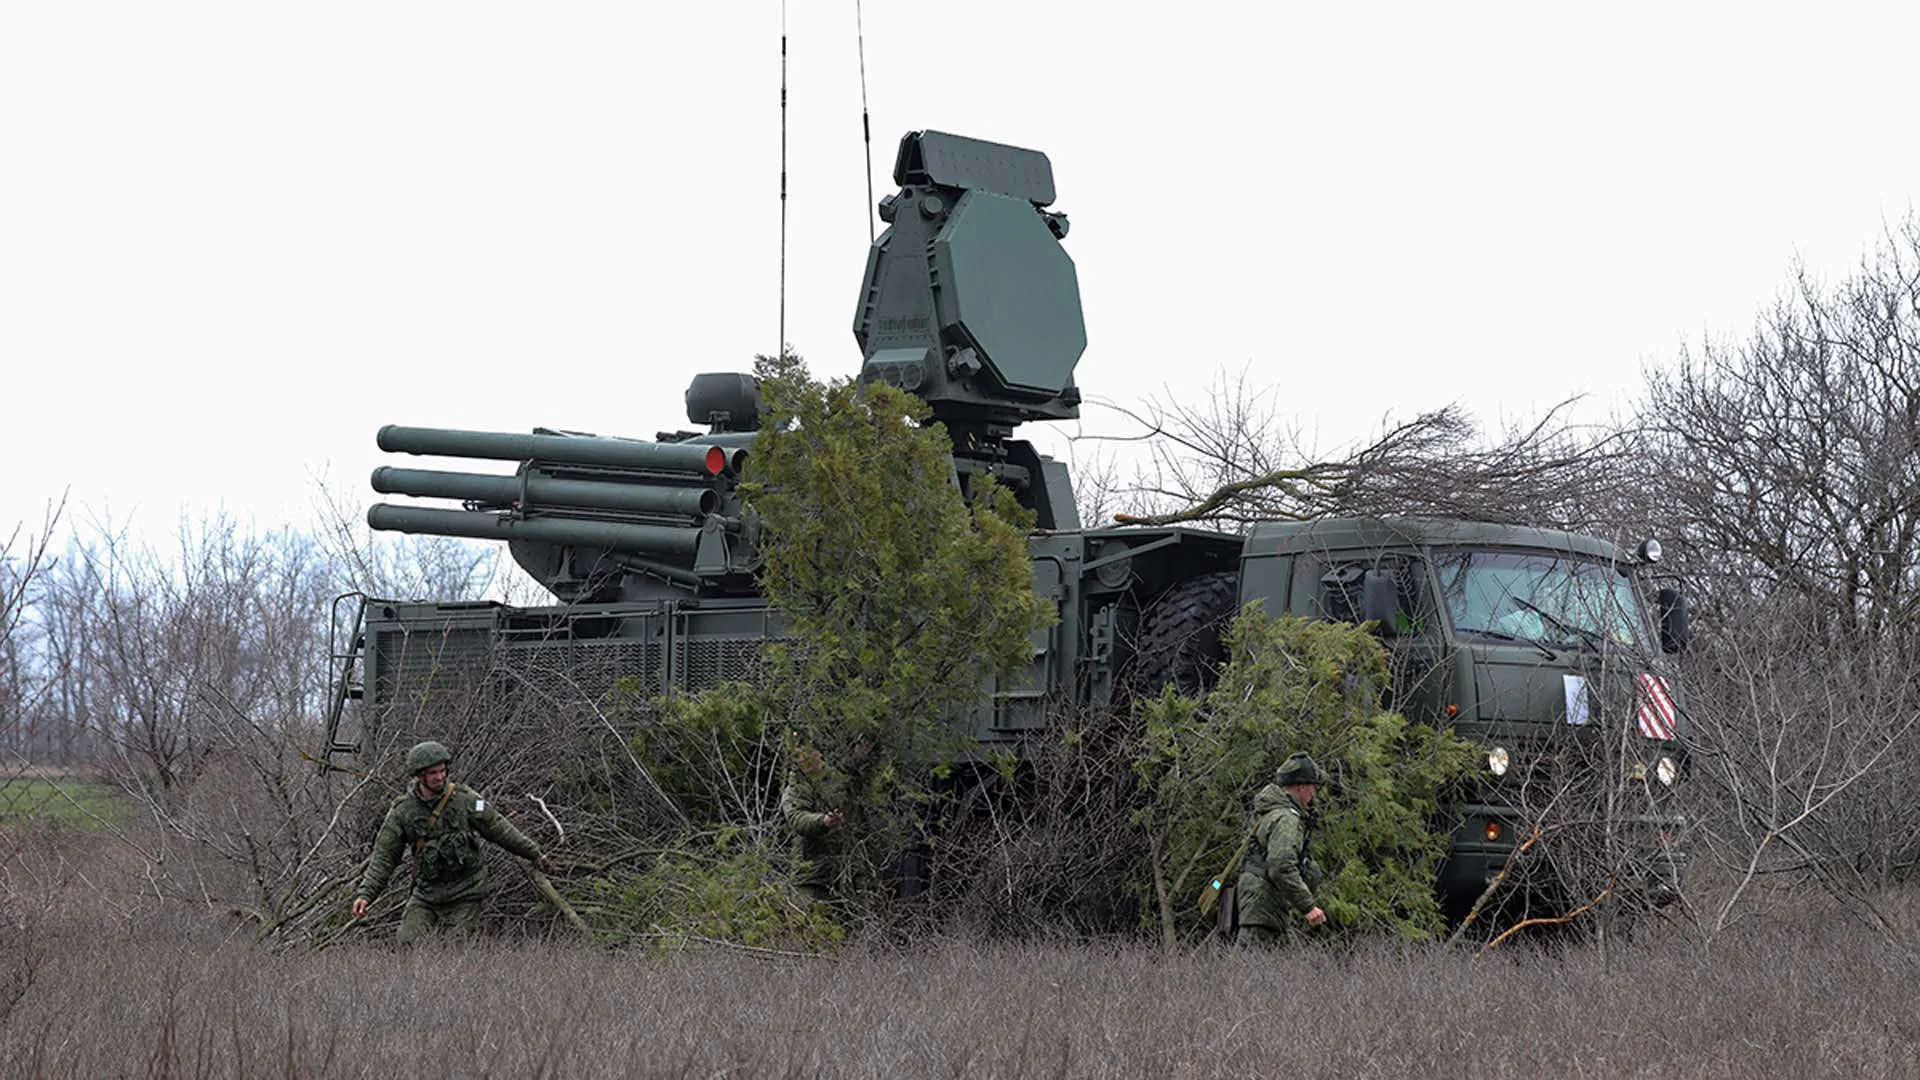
point(1304, 599)
point(1340, 592)
point(1342, 595)
point(1415, 601)
point(1270, 579)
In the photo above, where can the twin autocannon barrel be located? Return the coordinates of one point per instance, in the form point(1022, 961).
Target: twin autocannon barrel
point(551, 509)
point(614, 535)
point(535, 488)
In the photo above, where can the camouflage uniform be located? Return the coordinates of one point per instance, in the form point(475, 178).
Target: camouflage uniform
point(804, 805)
point(1275, 889)
point(450, 877)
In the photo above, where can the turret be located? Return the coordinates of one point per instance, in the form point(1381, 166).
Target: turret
point(968, 301)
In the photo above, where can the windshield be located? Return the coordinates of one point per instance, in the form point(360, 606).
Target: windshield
point(1549, 599)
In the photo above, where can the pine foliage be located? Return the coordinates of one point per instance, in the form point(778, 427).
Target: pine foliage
point(1294, 684)
point(898, 600)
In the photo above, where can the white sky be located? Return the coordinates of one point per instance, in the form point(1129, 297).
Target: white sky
point(237, 238)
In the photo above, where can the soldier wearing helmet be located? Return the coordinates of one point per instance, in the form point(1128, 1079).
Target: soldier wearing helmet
point(439, 822)
point(1275, 890)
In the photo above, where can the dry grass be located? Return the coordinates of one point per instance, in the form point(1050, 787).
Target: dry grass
point(86, 991)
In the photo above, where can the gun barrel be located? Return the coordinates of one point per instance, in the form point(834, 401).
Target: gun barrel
point(537, 489)
point(564, 449)
point(613, 535)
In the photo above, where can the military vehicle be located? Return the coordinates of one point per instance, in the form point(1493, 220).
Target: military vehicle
point(971, 302)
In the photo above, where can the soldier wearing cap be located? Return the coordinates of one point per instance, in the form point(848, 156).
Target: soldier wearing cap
point(439, 822)
point(1275, 893)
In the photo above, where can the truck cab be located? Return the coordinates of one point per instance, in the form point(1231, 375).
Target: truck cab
point(1552, 650)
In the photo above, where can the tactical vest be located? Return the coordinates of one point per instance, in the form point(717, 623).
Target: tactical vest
point(1256, 860)
point(447, 850)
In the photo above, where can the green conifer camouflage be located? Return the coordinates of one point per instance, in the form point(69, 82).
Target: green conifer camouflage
point(1273, 891)
point(450, 877)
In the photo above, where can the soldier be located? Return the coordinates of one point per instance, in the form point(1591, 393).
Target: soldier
point(438, 821)
point(1274, 891)
point(814, 819)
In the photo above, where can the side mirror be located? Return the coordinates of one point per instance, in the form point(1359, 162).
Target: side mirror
point(1380, 602)
point(1672, 604)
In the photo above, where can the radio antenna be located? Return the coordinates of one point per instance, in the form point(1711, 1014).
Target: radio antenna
point(781, 352)
point(866, 126)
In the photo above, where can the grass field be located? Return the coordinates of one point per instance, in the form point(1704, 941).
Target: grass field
point(99, 976)
point(1774, 1003)
point(70, 799)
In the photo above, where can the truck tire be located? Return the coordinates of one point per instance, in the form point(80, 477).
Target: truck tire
point(1179, 639)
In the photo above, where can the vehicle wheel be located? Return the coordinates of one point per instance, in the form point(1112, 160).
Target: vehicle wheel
point(1179, 640)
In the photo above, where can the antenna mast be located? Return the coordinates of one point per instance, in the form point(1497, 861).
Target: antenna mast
point(781, 351)
point(866, 126)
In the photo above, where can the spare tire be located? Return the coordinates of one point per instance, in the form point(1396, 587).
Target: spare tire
point(1179, 639)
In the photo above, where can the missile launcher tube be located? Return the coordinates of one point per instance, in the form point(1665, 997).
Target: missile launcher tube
point(612, 535)
point(563, 449)
point(545, 491)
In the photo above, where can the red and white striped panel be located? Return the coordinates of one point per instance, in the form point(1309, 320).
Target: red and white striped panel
point(1657, 713)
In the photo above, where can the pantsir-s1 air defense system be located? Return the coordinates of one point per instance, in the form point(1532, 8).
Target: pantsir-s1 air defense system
point(971, 302)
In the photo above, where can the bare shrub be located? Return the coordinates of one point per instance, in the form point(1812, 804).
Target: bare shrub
point(1047, 848)
point(1804, 767)
point(549, 738)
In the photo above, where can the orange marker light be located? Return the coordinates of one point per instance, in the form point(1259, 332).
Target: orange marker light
point(1453, 711)
point(1493, 831)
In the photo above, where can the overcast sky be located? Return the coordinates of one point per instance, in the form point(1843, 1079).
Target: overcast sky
point(235, 239)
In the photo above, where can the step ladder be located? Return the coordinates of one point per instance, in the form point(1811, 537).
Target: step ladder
point(346, 666)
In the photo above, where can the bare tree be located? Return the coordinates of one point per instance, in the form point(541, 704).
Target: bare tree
point(1232, 460)
point(159, 647)
point(1787, 472)
point(1790, 462)
point(1101, 492)
point(401, 567)
point(25, 558)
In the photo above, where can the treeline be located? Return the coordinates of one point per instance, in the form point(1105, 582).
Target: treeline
point(120, 655)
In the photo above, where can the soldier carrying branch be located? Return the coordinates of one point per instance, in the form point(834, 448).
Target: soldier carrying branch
point(439, 821)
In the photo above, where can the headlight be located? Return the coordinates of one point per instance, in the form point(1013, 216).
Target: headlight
point(1650, 550)
point(1666, 771)
point(1497, 761)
